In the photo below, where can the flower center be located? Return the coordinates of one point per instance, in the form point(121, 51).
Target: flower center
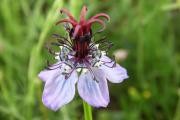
point(81, 46)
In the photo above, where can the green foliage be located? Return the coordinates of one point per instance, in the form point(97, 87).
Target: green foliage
point(148, 30)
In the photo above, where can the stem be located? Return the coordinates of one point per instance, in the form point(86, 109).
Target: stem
point(87, 111)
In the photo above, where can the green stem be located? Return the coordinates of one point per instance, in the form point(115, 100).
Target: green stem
point(87, 111)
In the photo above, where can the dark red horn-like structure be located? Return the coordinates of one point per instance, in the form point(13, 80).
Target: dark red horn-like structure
point(83, 27)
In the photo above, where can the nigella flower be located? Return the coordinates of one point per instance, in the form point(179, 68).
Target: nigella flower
point(80, 61)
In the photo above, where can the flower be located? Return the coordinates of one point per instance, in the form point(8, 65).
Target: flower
point(80, 61)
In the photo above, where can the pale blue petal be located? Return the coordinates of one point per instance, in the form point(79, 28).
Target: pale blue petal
point(48, 75)
point(59, 91)
point(94, 92)
point(114, 74)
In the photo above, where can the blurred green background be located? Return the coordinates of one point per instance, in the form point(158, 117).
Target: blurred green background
point(148, 30)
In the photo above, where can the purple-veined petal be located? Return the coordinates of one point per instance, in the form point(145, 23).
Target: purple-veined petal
point(95, 92)
point(46, 75)
point(114, 74)
point(59, 91)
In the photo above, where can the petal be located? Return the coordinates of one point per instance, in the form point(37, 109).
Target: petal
point(59, 91)
point(114, 74)
point(46, 75)
point(94, 92)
